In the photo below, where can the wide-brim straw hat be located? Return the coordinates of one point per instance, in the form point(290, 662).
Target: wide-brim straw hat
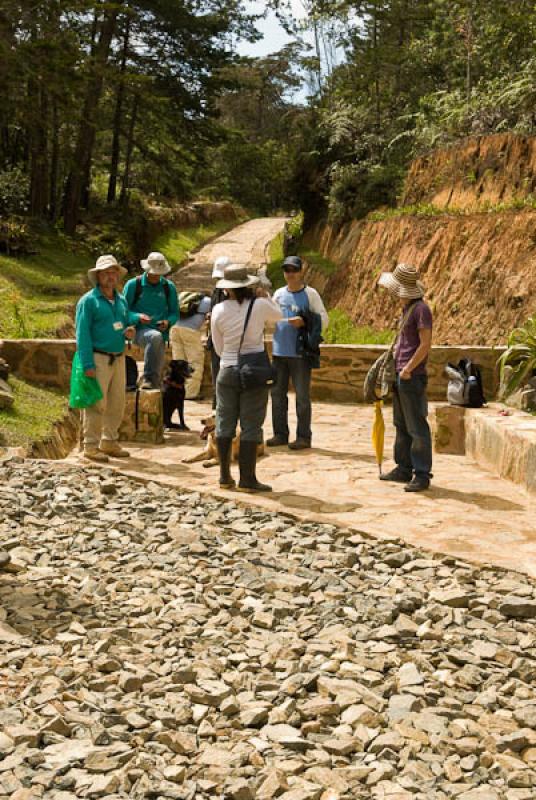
point(102, 263)
point(219, 266)
point(236, 276)
point(156, 264)
point(403, 282)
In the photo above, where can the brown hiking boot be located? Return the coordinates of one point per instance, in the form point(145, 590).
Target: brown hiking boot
point(94, 454)
point(113, 449)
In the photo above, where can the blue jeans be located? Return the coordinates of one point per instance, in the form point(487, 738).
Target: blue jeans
point(154, 351)
point(299, 370)
point(413, 441)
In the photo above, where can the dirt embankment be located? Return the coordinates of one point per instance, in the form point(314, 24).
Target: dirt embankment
point(479, 268)
point(479, 173)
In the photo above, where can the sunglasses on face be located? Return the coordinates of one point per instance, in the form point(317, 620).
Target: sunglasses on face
point(292, 269)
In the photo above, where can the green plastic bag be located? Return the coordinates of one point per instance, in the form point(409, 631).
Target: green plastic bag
point(85, 391)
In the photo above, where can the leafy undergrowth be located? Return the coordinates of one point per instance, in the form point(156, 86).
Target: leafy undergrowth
point(38, 292)
point(317, 261)
point(33, 415)
point(273, 270)
point(342, 330)
point(177, 244)
point(431, 210)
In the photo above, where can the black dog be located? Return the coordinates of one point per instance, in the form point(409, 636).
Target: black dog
point(173, 393)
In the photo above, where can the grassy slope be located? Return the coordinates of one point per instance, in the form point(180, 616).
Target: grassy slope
point(177, 244)
point(32, 416)
point(341, 329)
point(37, 298)
point(37, 292)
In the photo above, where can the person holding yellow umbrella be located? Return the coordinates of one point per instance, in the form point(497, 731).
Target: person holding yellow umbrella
point(413, 441)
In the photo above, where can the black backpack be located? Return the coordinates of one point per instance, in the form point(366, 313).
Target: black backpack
point(139, 289)
point(465, 386)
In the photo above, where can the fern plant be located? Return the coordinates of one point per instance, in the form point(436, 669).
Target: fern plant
point(518, 362)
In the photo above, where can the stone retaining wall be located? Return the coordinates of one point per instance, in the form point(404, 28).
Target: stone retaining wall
point(503, 444)
point(339, 380)
point(61, 441)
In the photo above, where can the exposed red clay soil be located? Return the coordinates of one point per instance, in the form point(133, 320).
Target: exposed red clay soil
point(479, 268)
point(477, 173)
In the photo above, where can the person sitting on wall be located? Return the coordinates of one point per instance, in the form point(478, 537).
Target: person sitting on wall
point(413, 441)
point(186, 339)
point(153, 299)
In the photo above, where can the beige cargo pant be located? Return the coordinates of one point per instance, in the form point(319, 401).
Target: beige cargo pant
point(186, 345)
point(102, 421)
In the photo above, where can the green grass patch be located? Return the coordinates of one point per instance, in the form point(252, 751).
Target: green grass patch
point(273, 270)
point(312, 257)
point(342, 330)
point(177, 244)
point(33, 415)
point(430, 210)
point(37, 292)
point(317, 261)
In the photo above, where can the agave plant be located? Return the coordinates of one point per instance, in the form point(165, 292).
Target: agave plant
point(518, 362)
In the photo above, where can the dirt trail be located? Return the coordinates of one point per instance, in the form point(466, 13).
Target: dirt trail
point(245, 244)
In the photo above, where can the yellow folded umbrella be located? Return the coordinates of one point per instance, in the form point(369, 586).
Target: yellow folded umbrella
point(378, 433)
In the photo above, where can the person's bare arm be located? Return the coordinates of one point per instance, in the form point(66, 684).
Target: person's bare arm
point(425, 336)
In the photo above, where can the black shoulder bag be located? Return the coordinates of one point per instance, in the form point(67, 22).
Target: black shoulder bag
point(253, 369)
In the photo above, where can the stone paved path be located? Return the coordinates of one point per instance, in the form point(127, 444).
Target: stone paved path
point(247, 243)
point(468, 513)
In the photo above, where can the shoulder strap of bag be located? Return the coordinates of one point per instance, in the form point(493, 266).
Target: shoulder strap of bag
point(137, 290)
point(248, 315)
point(403, 322)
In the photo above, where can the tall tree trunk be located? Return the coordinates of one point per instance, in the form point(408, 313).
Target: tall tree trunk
point(130, 147)
point(86, 133)
point(38, 148)
point(54, 162)
point(376, 67)
point(114, 164)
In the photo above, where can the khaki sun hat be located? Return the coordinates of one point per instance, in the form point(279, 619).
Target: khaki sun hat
point(403, 282)
point(156, 264)
point(102, 263)
point(236, 276)
point(219, 266)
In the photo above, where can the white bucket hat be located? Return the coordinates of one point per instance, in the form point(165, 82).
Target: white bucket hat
point(219, 266)
point(102, 263)
point(236, 276)
point(403, 282)
point(156, 264)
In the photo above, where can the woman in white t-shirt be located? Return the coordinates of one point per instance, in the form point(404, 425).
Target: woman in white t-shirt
point(233, 403)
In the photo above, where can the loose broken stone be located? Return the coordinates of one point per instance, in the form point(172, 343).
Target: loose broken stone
point(168, 645)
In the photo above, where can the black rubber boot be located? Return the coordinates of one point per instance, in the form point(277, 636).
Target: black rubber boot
point(247, 459)
point(224, 454)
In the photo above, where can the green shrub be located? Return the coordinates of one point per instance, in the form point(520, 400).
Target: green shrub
point(14, 192)
point(342, 330)
point(518, 362)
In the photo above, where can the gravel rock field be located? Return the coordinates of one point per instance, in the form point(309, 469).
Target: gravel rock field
point(157, 644)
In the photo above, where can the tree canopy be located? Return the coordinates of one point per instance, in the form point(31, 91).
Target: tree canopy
point(105, 98)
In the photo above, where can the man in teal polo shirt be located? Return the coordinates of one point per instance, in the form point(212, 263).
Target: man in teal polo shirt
point(102, 323)
point(152, 298)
